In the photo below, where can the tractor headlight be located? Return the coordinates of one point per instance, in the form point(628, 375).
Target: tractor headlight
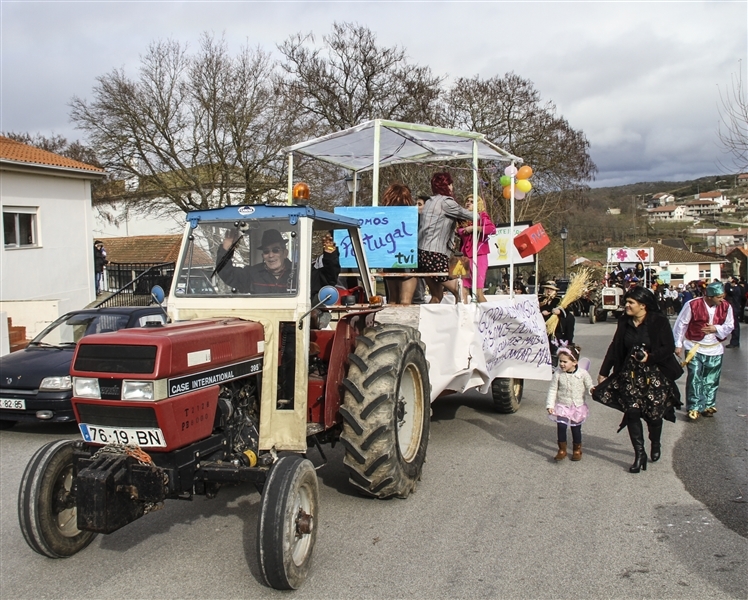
point(86, 387)
point(56, 384)
point(137, 390)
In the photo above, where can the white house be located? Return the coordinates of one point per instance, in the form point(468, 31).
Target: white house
point(688, 266)
point(663, 198)
point(46, 257)
point(668, 213)
point(120, 219)
point(715, 196)
point(697, 208)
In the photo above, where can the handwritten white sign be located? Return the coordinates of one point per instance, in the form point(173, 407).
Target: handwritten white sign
point(513, 337)
point(470, 345)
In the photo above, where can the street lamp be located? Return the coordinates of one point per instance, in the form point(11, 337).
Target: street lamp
point(564, 233)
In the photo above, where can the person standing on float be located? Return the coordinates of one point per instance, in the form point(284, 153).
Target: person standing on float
point(701, 327)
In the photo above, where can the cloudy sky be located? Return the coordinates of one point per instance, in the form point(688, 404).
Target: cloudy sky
point(641, 79)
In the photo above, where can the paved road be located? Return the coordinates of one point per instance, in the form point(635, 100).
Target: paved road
point(494, 517)
point(712, 454)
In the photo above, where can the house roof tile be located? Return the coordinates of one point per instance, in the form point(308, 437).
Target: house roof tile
point(663, 209)
point(17, 152)
point(676, 255)
point(712, 194)
point(143, 248)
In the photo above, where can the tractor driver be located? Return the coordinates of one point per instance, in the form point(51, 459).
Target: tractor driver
point(271, 276)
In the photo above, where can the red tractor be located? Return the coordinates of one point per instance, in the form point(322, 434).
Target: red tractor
point(250, 374)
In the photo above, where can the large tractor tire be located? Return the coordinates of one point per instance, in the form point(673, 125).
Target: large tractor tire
point(593, 314)
point(287, 526)
point(46, 506)
point(507, 394)
point(602, 316)
point(386, 411)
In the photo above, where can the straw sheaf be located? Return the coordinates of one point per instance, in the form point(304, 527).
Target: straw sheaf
point(578, 284)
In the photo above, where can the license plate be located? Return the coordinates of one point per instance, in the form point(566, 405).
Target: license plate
point(12, 404)
point(145, 438)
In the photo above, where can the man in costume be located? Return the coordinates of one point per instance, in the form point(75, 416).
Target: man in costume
point(702, 325)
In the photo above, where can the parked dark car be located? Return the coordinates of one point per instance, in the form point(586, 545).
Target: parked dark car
point(35, 384)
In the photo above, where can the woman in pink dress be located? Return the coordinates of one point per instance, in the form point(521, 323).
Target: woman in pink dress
point(485, 228)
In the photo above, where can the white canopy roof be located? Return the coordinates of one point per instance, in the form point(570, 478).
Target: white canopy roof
point(392, 142)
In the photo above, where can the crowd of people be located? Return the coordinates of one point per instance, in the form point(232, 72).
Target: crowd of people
point(643, 361)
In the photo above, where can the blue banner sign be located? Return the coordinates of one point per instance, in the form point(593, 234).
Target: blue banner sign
point(390, 235)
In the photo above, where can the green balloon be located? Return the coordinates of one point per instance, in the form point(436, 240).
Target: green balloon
point(505, 180)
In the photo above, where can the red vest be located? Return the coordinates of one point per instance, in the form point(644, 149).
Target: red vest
point(700, 318)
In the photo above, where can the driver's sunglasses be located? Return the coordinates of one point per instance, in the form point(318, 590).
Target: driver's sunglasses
point(273, 250)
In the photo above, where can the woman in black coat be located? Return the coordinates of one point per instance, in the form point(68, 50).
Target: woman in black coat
point(644, 367)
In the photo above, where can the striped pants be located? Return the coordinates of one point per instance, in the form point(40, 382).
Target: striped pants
point(703, 381)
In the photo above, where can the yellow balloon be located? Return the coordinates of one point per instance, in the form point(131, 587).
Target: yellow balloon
point(523, 185)
point(524, 172)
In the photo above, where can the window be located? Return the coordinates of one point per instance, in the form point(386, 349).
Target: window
point(19, 226)
point(705, 272)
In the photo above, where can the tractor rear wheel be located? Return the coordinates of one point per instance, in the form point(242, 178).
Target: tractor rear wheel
point(287, 526)
point(507, 394)
point(386, 411)
point(46, 506)
point(593, 314)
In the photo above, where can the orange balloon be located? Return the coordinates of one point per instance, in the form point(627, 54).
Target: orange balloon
point(507, 192)
point(524, 172)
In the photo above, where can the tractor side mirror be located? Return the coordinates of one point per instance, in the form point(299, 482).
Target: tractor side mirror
point(157, 293)
point(329, 295)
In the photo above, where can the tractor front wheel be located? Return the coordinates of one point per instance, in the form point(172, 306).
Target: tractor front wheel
point(386, 411)
point(287, 526)
point(46, 504)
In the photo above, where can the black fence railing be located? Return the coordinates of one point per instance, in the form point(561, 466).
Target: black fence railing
point(133, 282)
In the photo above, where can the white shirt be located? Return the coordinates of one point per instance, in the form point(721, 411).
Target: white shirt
point(710, 345)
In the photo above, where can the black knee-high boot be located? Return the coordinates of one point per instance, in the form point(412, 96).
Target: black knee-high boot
point(636, 433)
point(655, 432)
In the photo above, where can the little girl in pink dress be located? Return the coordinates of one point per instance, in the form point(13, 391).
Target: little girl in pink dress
point(485, 228)
point(565, 402)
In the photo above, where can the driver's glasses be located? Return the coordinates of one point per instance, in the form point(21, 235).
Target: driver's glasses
point(272, 250)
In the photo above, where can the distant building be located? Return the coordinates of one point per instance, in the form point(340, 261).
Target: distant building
point(668, 213)
point(688, 266)
point(715, 196)
point(699, 208)
point(662, 199)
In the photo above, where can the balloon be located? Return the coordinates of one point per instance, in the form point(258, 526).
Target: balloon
point(518, 195)
point(511, 170)
point(524, 172)
point(524, 186)
point(507, 193)
point(505, 180)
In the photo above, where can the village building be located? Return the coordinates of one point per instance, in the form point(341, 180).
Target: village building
point(687, 266)
point(46, 257)
point(669, 213)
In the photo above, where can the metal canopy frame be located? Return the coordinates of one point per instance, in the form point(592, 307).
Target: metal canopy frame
point(380, 143)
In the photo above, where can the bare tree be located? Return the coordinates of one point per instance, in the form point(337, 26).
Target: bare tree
point(733, 123)
point(192, 131)
point(350, 79)
point(511, 113)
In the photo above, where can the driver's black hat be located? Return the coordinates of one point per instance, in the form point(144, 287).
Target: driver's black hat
point(271, 236)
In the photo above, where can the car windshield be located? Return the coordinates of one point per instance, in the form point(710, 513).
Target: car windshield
point(252, 257)
point(71, 328)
